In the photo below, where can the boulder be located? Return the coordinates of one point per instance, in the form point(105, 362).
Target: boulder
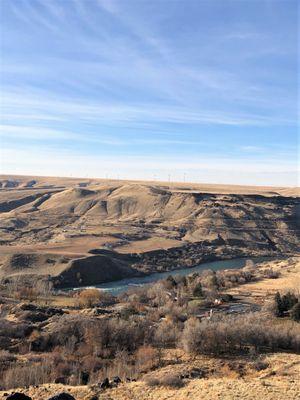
point(116, 380)
point(27, 307)
point(61, 379)
point(197, 373)
point(105, 384)
point(18, 396)
point(33, 317)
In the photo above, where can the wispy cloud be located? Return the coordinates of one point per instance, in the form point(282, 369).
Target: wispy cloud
point(38, 17)
point(118, 113)
point(40, 133)
point(252, 149)
point(28, 132)
point(132, 77)
point(44, 134)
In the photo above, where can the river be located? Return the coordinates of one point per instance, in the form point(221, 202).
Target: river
point(122, 285)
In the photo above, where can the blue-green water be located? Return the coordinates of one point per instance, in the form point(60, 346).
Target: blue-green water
point(117, 287)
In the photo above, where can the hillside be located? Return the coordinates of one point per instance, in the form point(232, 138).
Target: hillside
point(58, 222)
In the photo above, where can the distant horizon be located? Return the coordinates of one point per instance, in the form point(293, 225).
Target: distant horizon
point(158, 181)
point(195, 91)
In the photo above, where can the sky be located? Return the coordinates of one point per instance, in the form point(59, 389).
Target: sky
point(180, 90)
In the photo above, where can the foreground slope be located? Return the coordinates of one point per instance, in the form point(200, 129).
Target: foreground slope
point(279, 381)
point(248, 376)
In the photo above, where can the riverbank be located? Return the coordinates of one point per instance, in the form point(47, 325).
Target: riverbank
point(120, 286)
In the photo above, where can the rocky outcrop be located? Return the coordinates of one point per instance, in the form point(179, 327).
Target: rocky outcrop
point(96, 269)
point(18, 396)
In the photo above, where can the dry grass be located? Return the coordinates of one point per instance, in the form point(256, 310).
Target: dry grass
point(280, 380)
point(154, 243)
point(289, 280)
point(229, 386)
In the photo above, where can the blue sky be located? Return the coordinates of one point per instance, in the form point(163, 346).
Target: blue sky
point(201, 89)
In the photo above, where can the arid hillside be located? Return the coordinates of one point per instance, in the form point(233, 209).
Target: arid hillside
point(50, 226)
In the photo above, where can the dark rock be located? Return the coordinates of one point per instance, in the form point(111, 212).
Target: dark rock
point(184, 376)
point(105, 384)
point(194, 373)
point(62, 396)
point(116, 379)
point(32, 313)
point(18, 396)
point(197, 373)
point(29, 316)
point(61, 379)
point(5, 342)
point(27, 307)
point(101, 311)
point(130, 379)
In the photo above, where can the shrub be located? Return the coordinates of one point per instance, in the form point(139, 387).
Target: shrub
point(128, 311)
point(158, 294)
point(170, 282)
point(166, 334)
point(284, 303)
point(210, 280)
point(150, 381)
point(197, 292)
point(15, 330)
point(288, 301)
point(260, 365)
point(26, 293)
point(271, 274)
point(89, 297)
point(27, 375)
point(227, 297)
point(146, 358)
point(6, 357)
point(6, 360)
point(172, 381)
point(295, 312)
point(111, 335)
point(278, 307)
point(240, 334)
